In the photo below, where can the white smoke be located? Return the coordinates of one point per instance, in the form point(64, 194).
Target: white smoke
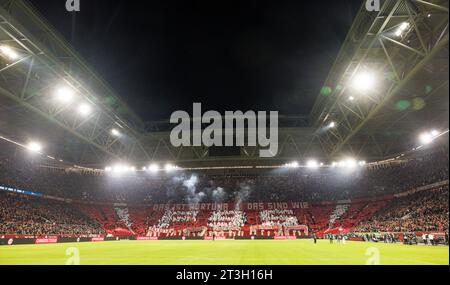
point(218, 195)
point(242, 195)
point(192, 197)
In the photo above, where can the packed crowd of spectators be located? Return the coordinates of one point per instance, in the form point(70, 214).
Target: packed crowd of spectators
point(340, 210)
point(285, 218)
point(124, 216)
point(227, 220)
point(423, 211)
point(171, 217)
point(37, 217)
point(427, 211)
point(184, 216)
point(166, 220)
point(268, 186)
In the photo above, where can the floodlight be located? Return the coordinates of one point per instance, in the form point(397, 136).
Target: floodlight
point(65, 95)
point(170, 167)
point(312, 164)
point(121, 168)
point(350, 163)
point(351, 98)
point(84, 109)
point(115, 133)
point(108, 169)
point(34, 147)
point(332, 125)
point(402, 28)
point(154, 168)
point(294, 164)
point(435, 133)
point(363, 81)
point(426, 138)
point(9, 52)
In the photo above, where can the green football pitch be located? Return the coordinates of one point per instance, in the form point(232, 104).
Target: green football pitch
point(258, 252)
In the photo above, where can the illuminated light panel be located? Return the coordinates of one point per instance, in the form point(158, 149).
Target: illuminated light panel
point(294, 164)
point(65, 95)
point(170, 167)
point(429, 137)
point(364, 81)
point(84, 109)
point(153, 168)
point(115, 133)
point(9, 52)
point(34, 147)
point(402, 28)
point(312, 164)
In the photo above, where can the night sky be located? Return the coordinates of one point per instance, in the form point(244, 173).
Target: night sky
point(162, 56)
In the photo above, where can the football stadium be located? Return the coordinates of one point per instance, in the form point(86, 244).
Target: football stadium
point(357, 176)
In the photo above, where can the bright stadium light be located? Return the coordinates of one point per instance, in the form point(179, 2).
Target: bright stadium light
point(108, 169)
point(115, 133)
point(169, 167)
point(426, 138)
point(363, 81)
point(429, 137)
point(350, 163)
point(312, 164)
point(34, 147)
point(435, 133)
point(154, 168)
point(351, 98)
point(9, 52)
point(402, 28)
point(65, 95)
point(362, 163)
point(294, 164)
point(122, 168)
point(332, 125)
point(84, 109)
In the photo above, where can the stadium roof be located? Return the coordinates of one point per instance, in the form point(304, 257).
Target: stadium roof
point(389, 82)
point(403, 52)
